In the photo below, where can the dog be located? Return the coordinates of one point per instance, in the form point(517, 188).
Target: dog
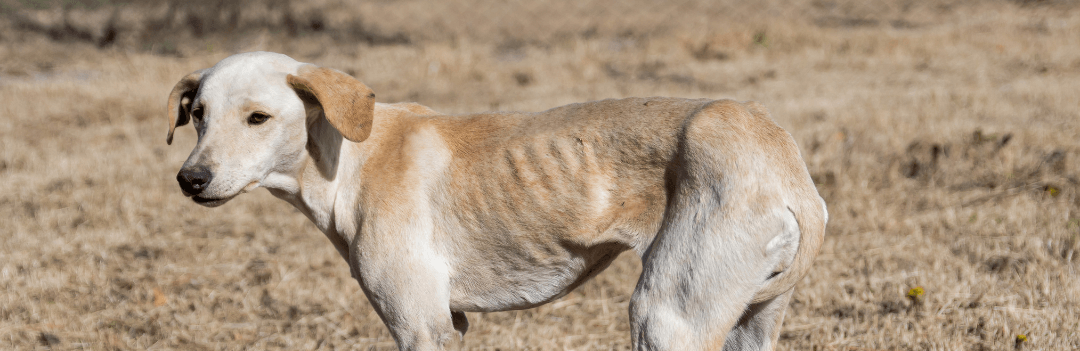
point(438, 215)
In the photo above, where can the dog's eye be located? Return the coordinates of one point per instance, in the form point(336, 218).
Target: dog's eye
point(197, 114)
point(258, 118)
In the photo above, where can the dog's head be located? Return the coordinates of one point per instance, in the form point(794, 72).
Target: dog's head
point(252, 112)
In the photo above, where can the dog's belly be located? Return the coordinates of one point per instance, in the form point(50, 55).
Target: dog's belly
point(547, 245)
point(524, 276)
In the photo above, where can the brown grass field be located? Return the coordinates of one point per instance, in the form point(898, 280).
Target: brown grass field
point(944, 136)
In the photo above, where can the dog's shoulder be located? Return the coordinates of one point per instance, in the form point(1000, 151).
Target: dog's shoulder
point(402, 109)
point(397, 120)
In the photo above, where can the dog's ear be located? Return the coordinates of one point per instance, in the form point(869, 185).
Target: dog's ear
point(348, 104)
point(180, 100)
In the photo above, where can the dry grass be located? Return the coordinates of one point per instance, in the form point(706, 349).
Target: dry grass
point(943, 135)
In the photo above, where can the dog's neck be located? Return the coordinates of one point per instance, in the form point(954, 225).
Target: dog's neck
point(315, 184)
point(318, 178)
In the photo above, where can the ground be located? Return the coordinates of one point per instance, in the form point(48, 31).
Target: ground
point(944, 136)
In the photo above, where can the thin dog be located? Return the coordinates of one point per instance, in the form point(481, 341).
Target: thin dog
point(438, 215)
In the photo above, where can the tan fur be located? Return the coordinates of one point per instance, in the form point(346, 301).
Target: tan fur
point(442, 214)
point(347, 103)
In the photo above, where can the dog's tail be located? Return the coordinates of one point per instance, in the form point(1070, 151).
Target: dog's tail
point(811, 222)
point(802, 200)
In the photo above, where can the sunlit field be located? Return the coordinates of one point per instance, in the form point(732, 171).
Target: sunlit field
point(943, 135)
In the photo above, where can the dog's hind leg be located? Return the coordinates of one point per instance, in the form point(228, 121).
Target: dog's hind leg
point(759, 327)
point(726, 232)
point(700, 275)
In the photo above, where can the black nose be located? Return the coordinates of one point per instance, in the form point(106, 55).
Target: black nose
point(194, 179)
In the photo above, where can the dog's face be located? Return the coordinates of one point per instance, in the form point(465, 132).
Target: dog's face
point(251, 113)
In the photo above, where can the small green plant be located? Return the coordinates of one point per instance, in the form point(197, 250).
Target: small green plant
point(761, 39)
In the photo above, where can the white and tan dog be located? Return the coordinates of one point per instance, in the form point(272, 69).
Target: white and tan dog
point(439, 215)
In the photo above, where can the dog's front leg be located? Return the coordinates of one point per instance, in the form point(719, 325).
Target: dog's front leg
point(410, 293)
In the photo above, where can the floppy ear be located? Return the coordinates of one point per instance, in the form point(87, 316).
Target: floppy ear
point(348, 104)
point(180, 100)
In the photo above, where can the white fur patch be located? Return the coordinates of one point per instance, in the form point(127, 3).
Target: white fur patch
point(599, 193)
